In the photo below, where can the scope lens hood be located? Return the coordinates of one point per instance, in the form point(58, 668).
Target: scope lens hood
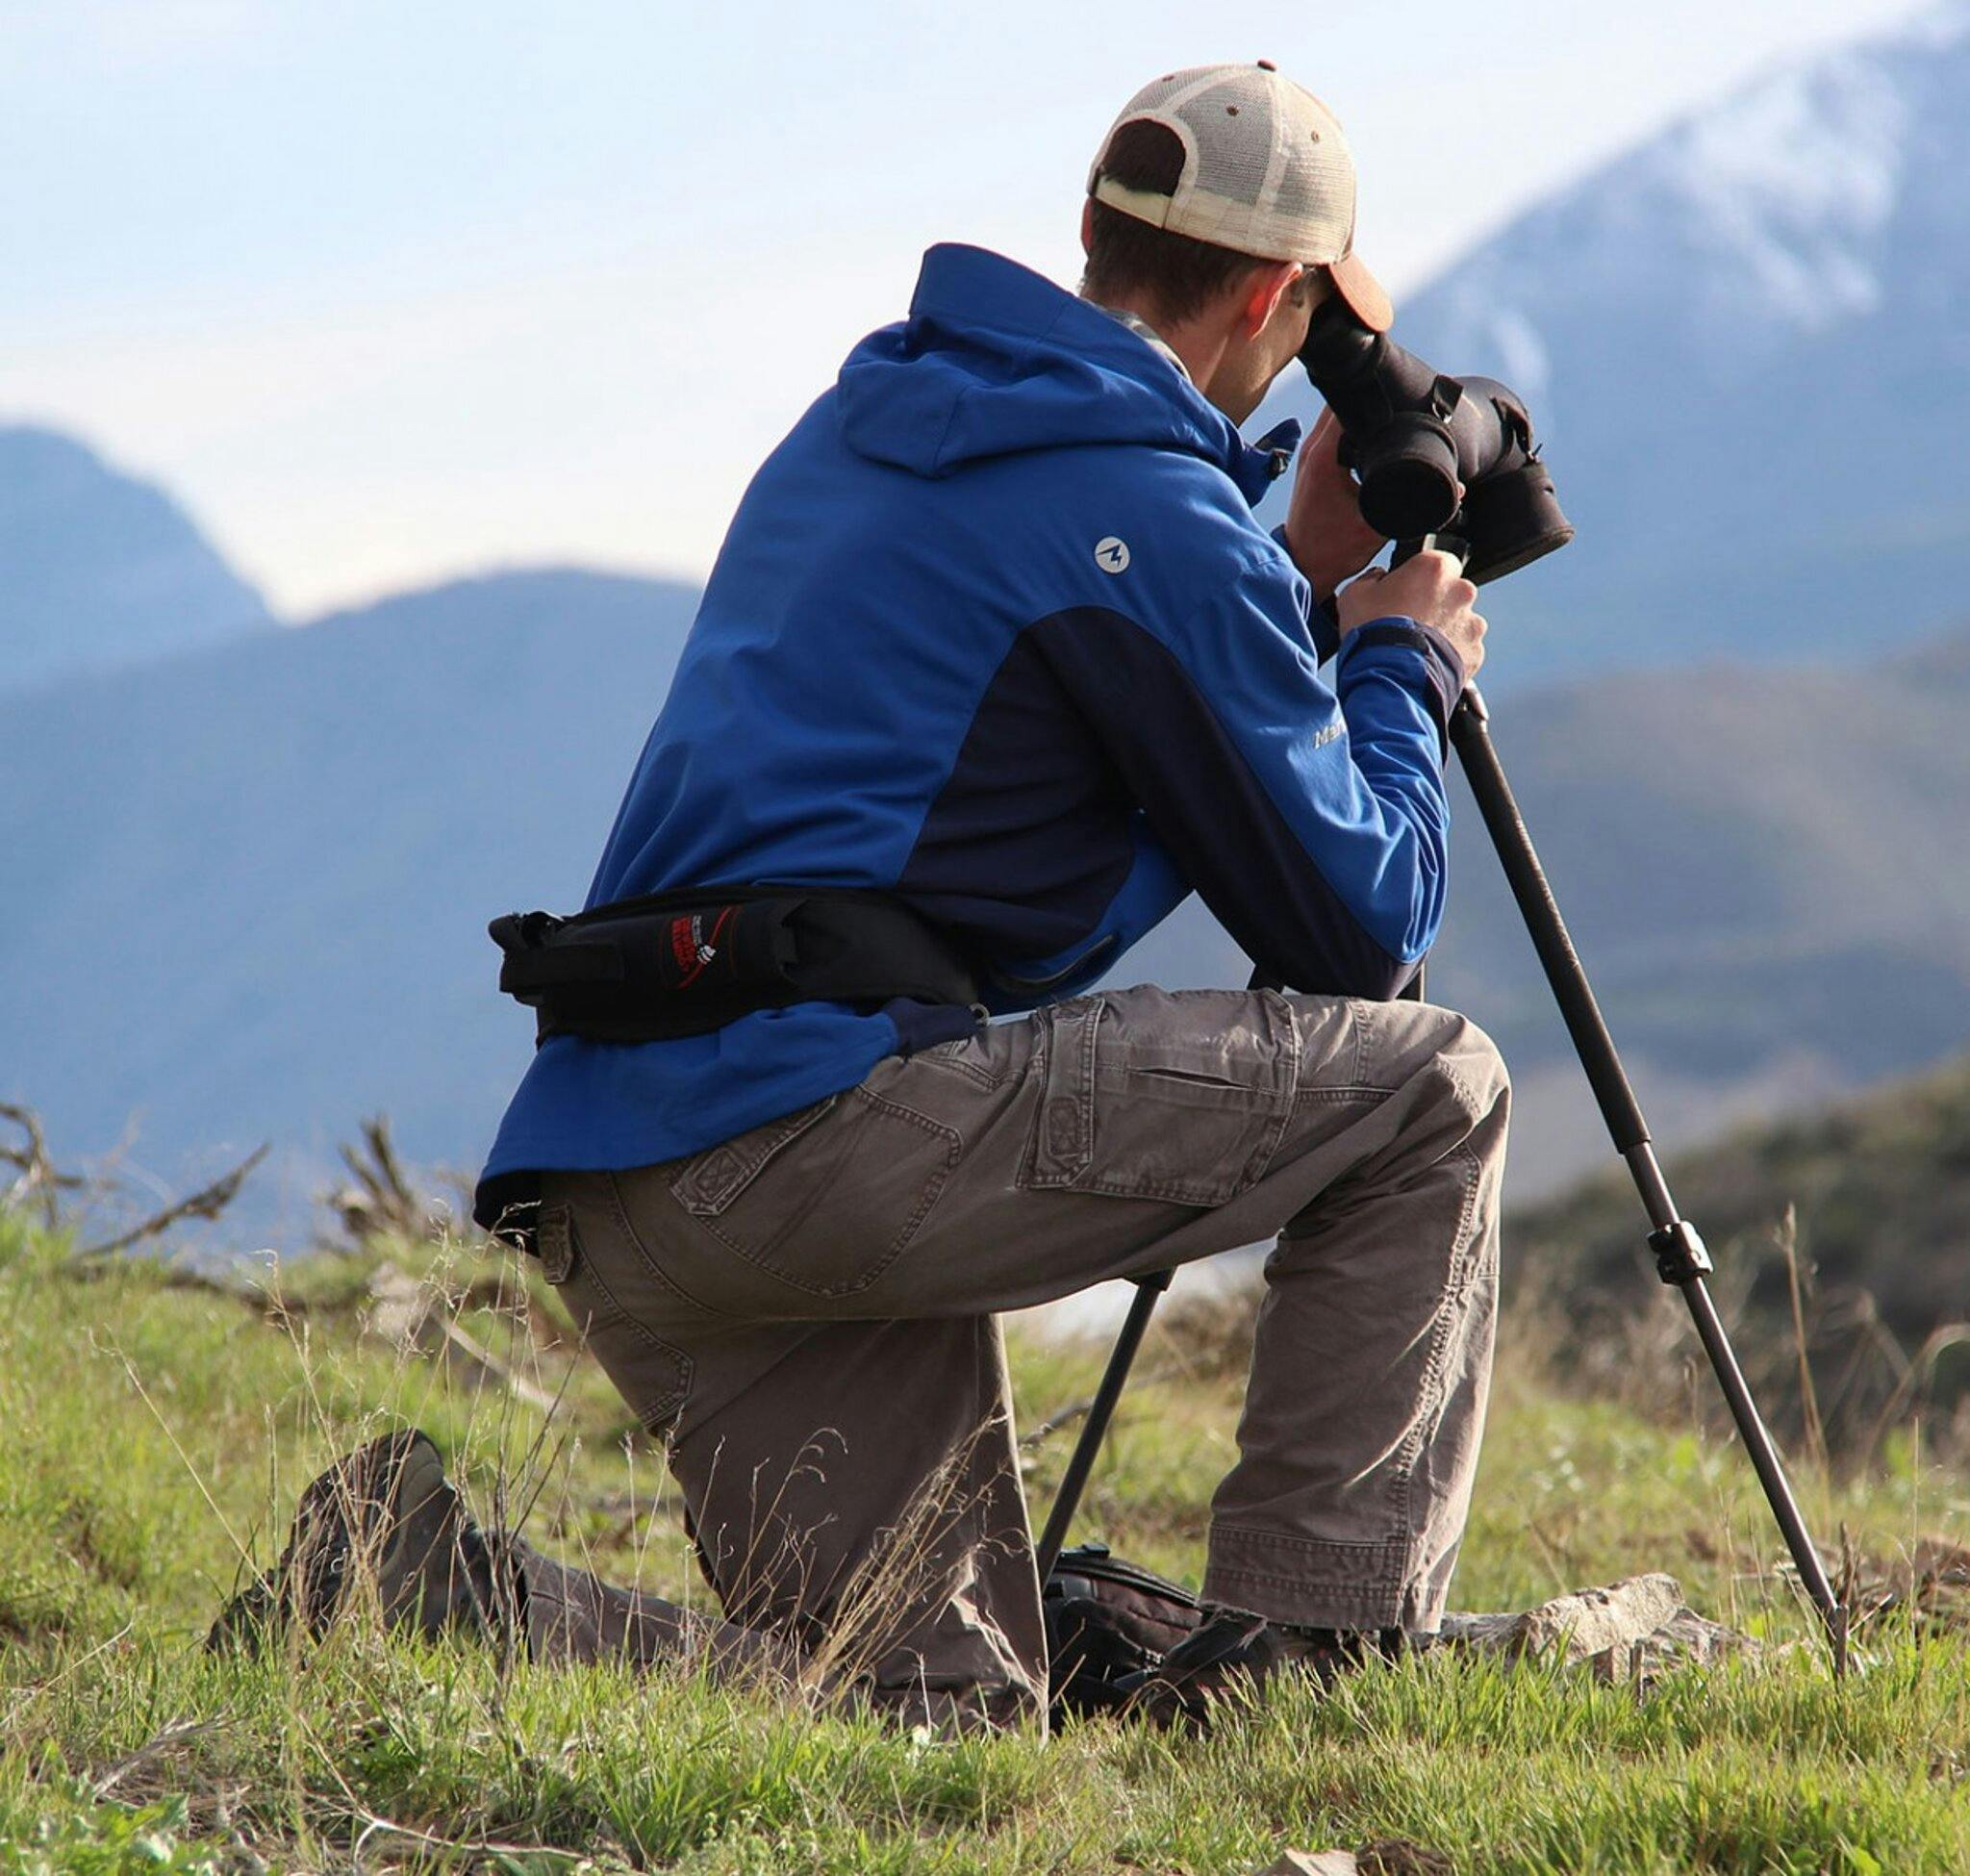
point(1511, 517)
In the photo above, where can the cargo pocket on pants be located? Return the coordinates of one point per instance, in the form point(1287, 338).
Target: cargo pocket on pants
point(1182, 1095)
point(652, 1376)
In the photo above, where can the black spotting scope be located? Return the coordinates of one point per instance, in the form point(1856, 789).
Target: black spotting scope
point(1435, 455)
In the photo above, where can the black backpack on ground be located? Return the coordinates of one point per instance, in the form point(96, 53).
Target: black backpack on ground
point(1104, 1619)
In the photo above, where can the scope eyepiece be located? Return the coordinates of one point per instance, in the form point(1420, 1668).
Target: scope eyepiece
point(1435, 454)
point(1408, 470)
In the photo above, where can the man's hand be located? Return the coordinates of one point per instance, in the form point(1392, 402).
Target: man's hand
point(1431, 590)
point(1324, 533)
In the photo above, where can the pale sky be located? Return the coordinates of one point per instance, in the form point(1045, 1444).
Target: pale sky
point(390, 292)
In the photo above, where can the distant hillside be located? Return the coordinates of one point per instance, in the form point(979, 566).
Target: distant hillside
point(1764, 871)
point(1745, 344)
point(99, 569)
point(1750, 860)
point(248, 887)
point(1881, 1188)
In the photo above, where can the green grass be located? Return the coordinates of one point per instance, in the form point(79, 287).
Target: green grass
point(147, 1427)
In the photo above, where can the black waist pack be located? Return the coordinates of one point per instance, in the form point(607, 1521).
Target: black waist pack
point(1106, 1619)
point(686, 963)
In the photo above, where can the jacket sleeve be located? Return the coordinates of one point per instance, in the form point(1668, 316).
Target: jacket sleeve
point(1311, 818)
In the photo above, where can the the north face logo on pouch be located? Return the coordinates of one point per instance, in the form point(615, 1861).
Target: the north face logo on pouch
point(1111, 553)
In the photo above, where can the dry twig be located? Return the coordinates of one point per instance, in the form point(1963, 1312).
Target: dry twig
point(35, 1173)
point(207, 1202)
point(382, 1203)
point(175, 1733)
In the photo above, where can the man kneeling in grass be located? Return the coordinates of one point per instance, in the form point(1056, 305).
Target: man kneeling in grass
point(995, 668)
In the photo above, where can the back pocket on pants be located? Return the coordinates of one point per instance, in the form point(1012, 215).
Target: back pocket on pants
point(652, 1374)
point(828, 1198)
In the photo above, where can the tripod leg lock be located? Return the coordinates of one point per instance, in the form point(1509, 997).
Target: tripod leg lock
point(1680, 1253)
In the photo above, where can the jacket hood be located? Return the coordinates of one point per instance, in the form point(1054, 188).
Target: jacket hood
point(995, 360)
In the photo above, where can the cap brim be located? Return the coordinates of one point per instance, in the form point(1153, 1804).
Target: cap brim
point(1364, 293)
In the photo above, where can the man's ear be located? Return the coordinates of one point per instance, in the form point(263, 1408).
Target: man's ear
point(1087, 226)
point(1269, 285)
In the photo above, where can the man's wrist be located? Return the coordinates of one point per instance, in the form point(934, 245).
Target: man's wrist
point(1399, 628)
point(1442, 667)
point(1323, 583)
point(1324, 621)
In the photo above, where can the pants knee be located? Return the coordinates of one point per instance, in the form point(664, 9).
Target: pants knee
point(1476, 1063)
point(1468, 1085)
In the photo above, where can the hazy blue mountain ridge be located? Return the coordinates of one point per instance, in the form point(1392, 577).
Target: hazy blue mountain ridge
point(1881, 1184)
point(248, 887)
point(98, 569)
point(1750, 858)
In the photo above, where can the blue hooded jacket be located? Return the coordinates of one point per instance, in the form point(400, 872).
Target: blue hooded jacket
point(995, 630)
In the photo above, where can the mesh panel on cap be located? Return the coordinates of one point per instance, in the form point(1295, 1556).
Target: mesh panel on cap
point(1267, 171)
point(1232, 166)
point(1317, 175)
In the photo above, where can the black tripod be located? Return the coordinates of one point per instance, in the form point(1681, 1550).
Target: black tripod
point(1680, 1259)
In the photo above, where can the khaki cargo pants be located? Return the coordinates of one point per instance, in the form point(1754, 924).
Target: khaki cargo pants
point(805, 1315)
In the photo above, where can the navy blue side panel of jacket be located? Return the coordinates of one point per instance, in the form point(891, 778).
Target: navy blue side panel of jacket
point(995, 629)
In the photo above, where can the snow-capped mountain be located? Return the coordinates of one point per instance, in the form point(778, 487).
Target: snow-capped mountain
point(1747, 344)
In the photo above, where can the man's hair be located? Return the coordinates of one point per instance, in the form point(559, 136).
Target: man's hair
point(1129, 259)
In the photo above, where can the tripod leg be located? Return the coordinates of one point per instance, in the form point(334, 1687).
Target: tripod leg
point(1100, 1411)
point(1680, 1259)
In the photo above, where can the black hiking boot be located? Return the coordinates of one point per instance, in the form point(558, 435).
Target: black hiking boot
point(388, 1512)
point(1232, 1652)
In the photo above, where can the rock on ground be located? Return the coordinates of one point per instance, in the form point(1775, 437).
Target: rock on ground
point(1638, 1623)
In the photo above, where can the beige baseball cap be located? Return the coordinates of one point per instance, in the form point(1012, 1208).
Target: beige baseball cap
point(1266, 173)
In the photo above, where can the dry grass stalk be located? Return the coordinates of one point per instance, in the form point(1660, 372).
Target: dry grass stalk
point(1798, 1280)
point(415, 1316)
